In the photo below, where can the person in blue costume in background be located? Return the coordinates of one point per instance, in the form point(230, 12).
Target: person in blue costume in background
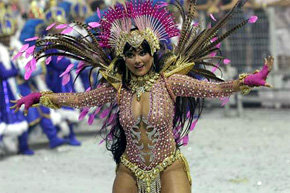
point(2, 128)
point(39, 115)
point(12, 124)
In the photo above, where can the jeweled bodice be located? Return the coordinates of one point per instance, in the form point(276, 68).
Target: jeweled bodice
point(151, 145)
point(149, 136)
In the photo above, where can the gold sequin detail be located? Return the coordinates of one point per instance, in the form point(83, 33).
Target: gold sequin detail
point(135, 39)
point(244, 88)
point(45, 100)
point(142, 84)
point(149, 181)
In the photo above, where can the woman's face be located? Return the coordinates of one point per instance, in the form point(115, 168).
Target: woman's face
point(138, 61)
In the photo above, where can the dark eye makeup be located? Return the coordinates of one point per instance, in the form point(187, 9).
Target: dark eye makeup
point(130, 54)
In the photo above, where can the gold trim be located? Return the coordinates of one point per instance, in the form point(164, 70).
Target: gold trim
point(146, 180)
point(142, 84)
point(45, 100)
point(135, 39)
point(244, 88)
point(35, 122)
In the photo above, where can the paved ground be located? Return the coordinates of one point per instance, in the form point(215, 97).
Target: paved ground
point(250, 154)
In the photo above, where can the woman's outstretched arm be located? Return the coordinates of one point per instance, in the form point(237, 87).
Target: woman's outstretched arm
point(99, 96)
point(186, 86)
point(104, 94)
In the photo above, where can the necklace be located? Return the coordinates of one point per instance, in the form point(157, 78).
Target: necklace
point(142, 84)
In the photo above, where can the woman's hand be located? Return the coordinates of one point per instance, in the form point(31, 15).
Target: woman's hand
point(258, 78)
point(28, 102)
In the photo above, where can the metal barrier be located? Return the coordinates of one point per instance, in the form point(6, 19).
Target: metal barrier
point(247, 49)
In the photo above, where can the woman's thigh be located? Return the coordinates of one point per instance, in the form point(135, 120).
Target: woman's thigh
point(174, 179)
point(124, 181)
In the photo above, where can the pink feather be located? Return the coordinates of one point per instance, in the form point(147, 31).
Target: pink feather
point(185, 140)
point(212, 17)
point(213, 54)
point(33, 64)
point(17, 56)
point(214, 68)
point(59, 58)
point(31, 39)
point(218, 45)
point(48, 60)
point(253, 19)
point(50, 26)
point(27, 74)
point(67, 30)
point(193, 124)
point(65, 79)
point(30, 50)
point(94, 24)
point(61, 26)
point(89, 89)
point(99, 13)
point(227, 61)
point(162, 4)
point(225, 101)
point(91, 118)
point(67, 70)
point(102, 141)
point(105, 113)
point(84, 113)
point(112, 117)
point(24, 47)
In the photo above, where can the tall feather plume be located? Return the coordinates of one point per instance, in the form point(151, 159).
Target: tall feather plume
point(186, 26)
point(195, 46)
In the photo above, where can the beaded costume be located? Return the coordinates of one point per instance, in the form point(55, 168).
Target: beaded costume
point(152, 136)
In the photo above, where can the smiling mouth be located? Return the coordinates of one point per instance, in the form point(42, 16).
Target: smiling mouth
point(139, 66)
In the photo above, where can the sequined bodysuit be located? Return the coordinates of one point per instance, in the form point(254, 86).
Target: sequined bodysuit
point(150, 146)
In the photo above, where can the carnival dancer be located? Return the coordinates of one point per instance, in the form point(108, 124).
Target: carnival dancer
point(154, 98)
point(15, 124)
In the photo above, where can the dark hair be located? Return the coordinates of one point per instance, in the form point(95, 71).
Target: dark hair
point(116, 139)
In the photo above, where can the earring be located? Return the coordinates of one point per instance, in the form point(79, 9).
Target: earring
point(154, 66)
point(127, 73)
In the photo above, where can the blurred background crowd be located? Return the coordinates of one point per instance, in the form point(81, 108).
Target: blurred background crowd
point(23, 20)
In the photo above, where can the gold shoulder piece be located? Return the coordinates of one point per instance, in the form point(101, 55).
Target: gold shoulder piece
point(176, 65)
point(169, 62)
point(114, 78)
point(182, 69)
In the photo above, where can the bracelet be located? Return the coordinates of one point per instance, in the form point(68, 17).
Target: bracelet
point(45, 100)
point(245, 90)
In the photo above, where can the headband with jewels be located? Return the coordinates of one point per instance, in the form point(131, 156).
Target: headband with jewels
point(152, 21)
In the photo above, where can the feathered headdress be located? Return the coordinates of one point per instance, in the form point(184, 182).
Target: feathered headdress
point(152, 21)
